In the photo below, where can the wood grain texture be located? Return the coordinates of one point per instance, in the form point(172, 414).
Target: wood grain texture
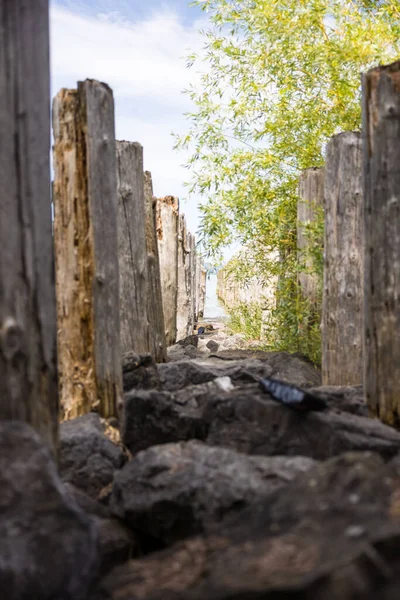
point(85, 237)
point(183, 319)
point(167, 238)
point(28, 378)
point(155, 313)
point(381, 146)
point(342, 311)
point(132, 251)
point(311, 196)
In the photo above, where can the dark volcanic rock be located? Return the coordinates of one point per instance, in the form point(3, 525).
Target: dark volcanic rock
point(47, 545)
point(139, 372)
point(247, 420)
point(87, 458)
point(190, 340)
point(177, 490)
point(280, 365)
point(212, 346)
point(349, 399)
point(332, 534)
point(115, 542)
point(179, 375)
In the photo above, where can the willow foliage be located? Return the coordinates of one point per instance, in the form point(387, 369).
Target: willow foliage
point(280, 78)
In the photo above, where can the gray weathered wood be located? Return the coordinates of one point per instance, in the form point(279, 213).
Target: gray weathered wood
point(342, 312)
point(155, 313)
point(85, 236)
point(167, 237)
point(381, 144)
point(28, 380)
point(311, 197)
point(183, 318)
point(192, 247)
point(132, 251)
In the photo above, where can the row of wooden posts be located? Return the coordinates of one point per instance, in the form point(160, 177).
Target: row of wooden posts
point(359, 188)
point(116, 271)
point(128, 277)
point(361, 322)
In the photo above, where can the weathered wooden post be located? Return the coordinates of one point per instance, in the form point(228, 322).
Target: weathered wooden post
point(132, 251)
point(155, 313)
point(381, 145)
point(193, 300)
point(86, 244)
point(342, 311)
point(183, 318)
point(311, 198)
point(167, 236)
point(28, 378)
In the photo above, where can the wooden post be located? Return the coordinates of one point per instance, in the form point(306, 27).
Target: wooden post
point(203, 289)
point(85, 237)
point(381, 142)
point(342, 311)
point(192, 247)
point(28, 378)
point(132, 251)
point(167, 236)
point(183, 319)
point(155, 313)
point(311, 197)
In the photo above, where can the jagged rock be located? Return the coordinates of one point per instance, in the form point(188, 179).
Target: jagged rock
point(47, 544)
point(176, 376)
point(190, 340)
point(348, 399)
point(178, 352)
point(212, 345)
point(280, 365)
point(332, 533)
point(248, 420)
point(115, 542)
point(87, 458)
point(177, 490)
point(139, 372)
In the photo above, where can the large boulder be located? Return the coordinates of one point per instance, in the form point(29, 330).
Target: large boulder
point(332, 533)
point(87, 457)
point(238, 364)
point(115, 542)
point(248, 420)
point(47, 544)
point(176, 490)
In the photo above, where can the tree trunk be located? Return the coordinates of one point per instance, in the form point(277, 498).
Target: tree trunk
point(381, 141)
point(28, 378)
point(192, 247)
point(85, 236)
point(158, 346)
point(167, 236)
point(342, 312)
point(132, 251)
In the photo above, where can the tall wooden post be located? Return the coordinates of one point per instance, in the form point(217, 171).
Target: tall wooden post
point(381, 145)
point(132, 251)
point(86, 244)
point(342, 311)
point(167, 236)
point(183, 318)
point(192, 248)
point(28, 380)
point(311, 198)
point(155, 313)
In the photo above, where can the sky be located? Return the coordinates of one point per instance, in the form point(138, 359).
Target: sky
point(138, 47)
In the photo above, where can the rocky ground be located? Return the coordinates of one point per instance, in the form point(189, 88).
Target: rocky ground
point(209, 489)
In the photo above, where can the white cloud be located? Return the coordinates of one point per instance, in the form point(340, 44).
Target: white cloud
point(143, 63)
